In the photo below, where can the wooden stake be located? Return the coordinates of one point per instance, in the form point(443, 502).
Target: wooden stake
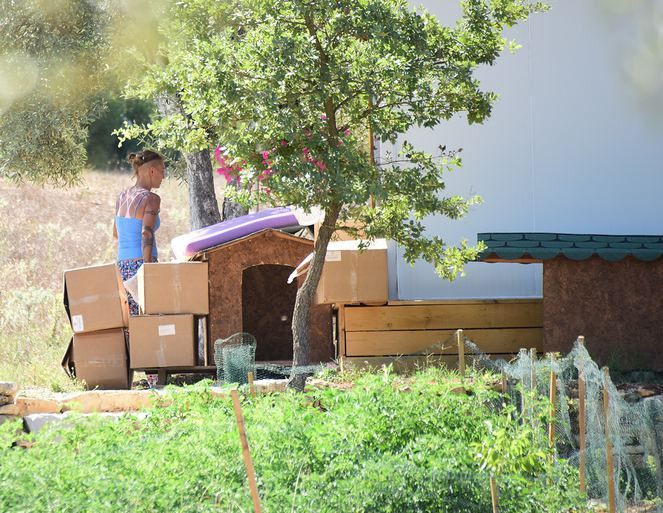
point(248, 463)
point(460, 340)
point(608, 443)
point(553, 402)
point(494, 495)
point(582, 427)
point(505, 383)
point(532, 380)
point(252, 389)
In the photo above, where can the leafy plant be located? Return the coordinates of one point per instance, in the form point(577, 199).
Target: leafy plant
point(388, 444)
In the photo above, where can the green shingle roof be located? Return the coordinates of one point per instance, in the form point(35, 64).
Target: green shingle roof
point(544, 246)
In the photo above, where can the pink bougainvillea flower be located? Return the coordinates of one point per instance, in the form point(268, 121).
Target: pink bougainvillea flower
point(284, 143)
point(217, 154)
point(346, 131)
point(265, 155)
point(226, 173)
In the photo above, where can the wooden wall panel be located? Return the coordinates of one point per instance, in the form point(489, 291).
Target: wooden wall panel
point(498, 327)
point(386, 343)
point(444, 316)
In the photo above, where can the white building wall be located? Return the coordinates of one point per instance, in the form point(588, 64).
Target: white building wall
point(572, 146)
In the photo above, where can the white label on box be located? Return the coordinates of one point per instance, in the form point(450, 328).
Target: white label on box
point(333, 256)
point(77, 323)
point(166, 330)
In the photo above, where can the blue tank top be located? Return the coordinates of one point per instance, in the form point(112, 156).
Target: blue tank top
point(129, 238)
point(129, 229)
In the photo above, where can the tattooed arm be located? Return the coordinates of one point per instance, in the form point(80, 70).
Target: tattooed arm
point(149, 220)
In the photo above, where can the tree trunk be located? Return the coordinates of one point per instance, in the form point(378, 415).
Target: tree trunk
point(305, 294)
point(203, 206)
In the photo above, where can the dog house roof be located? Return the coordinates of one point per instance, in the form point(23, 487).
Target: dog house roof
point(537, 247)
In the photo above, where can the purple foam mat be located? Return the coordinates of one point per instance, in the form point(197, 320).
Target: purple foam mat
point(191, 243)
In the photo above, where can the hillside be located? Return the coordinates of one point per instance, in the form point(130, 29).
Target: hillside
point(43, 231)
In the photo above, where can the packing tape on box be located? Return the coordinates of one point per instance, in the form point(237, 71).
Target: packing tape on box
point(109, 361)
point(86, 300)
point(177, 289)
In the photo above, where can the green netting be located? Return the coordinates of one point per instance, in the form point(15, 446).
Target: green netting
point(635, 429)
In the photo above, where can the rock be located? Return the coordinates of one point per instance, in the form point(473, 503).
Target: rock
point(34, 422)
point(262, 386)
point(8, 391)
point(8, 388)
point(29, 405)
point(266, 386)
point(111, 400)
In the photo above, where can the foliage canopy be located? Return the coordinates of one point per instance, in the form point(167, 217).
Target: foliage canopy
point(289, 89)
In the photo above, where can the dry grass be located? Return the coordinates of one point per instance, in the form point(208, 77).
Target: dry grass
point(44, 231)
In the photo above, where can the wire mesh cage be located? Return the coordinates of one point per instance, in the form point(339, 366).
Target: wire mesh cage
point(235, 357)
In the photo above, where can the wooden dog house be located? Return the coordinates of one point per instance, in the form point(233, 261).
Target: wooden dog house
point(605, 287)
point(248, 292)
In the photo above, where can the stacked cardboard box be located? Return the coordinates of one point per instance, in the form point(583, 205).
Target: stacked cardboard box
point(96, 305)
point(172, 297)
point(354, 272)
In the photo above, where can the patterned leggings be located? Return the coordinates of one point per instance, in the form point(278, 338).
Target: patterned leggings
point(128, 269)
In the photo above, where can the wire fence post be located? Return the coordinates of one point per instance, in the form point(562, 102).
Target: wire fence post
point(553, 401)
point(610, 464)
point(248, 463)
point(532, 379)
point(252, 388)
point(494, 495)
point(582, 427)
point(460, 340)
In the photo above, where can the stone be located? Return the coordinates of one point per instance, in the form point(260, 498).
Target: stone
point(111, 400)
point(8, 391)
point(29, 405)
point(8, 388)
point(34, 422)
point(265, 386)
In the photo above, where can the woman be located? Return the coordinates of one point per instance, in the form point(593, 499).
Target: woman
point(137, 217)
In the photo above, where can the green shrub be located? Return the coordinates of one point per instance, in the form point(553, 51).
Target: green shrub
point(388, 445)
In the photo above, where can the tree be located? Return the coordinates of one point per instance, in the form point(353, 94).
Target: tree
point(287, 88)
point(61, 63)
point(184, 25)
point(51, 65)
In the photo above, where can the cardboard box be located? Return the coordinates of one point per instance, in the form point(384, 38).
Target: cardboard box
point(100, 359)
point(95, 299)
point(340, 234)
point(162, 341)
point(354, 276)
point(173, 288)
